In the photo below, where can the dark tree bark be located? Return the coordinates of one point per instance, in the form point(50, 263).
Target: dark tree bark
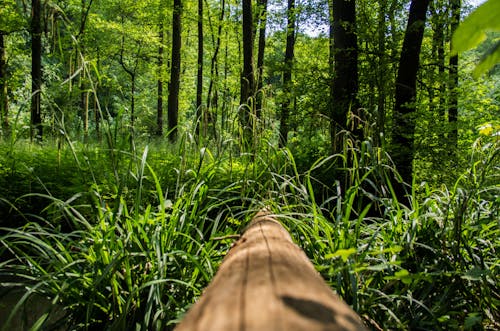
point(437, 87)
point(97, 117)
point(260, 56)
point(84, 92)
point(175, 71)
point(212, 95)
point(36, 70)
point(159, 97)
point(84, 104)
point(382, 73)
point(4, 97)
point(287, 73)
point(453, 80)
point(247, 78)
point(404, 109)
point(85, 10)
point(344, 88)
point(132, 72)
point(200, 114)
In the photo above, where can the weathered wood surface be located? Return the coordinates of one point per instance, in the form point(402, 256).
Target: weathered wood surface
point(266, 282)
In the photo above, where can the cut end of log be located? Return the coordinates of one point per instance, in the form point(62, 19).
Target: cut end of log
point(266, 282)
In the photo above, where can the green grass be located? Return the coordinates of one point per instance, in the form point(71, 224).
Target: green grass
point(127, 238)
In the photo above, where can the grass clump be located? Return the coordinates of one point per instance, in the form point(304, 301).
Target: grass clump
point(143, 239)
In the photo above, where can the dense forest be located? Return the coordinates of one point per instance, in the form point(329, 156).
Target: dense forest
point(138, 137)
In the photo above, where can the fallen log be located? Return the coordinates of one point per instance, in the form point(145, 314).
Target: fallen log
point(266, 282)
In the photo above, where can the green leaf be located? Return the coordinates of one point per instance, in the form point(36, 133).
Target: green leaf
point(488, 60)
point(402, 275)
point(443, 318)
point(392, 250)
point(473, 29)
point(343, 253)
point(39, 323)
point(472, 320)
point(475, 274)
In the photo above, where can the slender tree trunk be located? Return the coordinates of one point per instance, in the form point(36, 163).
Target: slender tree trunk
point(331, 66)
point(97, 117)
point(173, 95)
point(132, 101)
point(247, 78)
point(213, 65)
point(97, 105)
point(226, 93)
point(132, 73)
point(260, 56)
point(453, 80)
point(212, 97)
point(84, 101)
point(287, 73)
point(436, 88)
point(406, 81)
point(200, 114)
point(345, 80)
point(159, 98)
point(84, 93)
point(4, 97)
point(382, 72)
point(36, 70)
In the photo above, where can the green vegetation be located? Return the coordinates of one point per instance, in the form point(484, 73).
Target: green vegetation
point(120, 221)
point(146, 231)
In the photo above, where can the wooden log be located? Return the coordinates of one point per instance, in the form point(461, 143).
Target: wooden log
point(266, 282)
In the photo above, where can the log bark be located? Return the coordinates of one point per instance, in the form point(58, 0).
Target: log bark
point(266, 282)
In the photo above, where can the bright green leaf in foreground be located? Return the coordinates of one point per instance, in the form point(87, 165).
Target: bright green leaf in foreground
point(488, 60)
point(472, 32)
point(473, 29)
point(343, 253)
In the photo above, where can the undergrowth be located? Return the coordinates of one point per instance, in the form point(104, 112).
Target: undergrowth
point(133, 236)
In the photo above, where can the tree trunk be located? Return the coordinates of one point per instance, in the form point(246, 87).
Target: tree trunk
point(84, 93)
point(97, 117)
point(159, 98)
point(247, 78)
point(36, 70)
point(404, 109)
point(132, 73)
point(287, 74)
point(200, 114)
point(453, 81)
point(175, 71)
point(4, 97)
point(383, 73)
point(260, 56)
point(132, 101)
point(436, 100)
point(212, 100)
point(345, 81)
point(84, 103)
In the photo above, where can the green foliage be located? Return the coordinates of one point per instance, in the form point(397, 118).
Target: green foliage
point(433, 266)
point(134, 249)
point(11, 18)
point(120, 230)
point(473, 31)
point(146, 234)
